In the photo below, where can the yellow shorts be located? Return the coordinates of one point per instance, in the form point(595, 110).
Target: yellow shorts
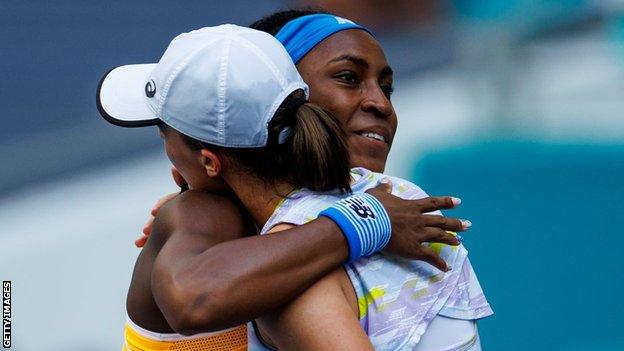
point(139, 339)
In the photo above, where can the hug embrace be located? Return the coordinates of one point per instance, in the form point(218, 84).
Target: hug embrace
point(290, 236)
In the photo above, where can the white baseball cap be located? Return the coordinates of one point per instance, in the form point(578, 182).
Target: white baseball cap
point(220, 85)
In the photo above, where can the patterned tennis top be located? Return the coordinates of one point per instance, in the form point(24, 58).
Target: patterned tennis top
point(397, 297)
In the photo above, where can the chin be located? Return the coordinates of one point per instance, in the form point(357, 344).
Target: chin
point(373, 164)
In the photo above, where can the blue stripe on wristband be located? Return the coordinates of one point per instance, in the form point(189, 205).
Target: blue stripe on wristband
point(383, 222)
point(357, 236)
point(364, 223)
point(364, 229)
point(348, 230)
point(385, 219)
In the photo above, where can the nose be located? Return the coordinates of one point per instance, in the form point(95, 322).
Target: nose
point(375, 101)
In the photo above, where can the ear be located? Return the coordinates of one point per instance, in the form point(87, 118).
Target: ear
point(211, 163)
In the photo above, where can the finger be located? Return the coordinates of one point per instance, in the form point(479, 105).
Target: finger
point(161, 202)
point(147, 228)
point(446, 223)
point(430, 204)
point(140, 242)
point(177, 177)
point(429, 256)
point(437, 235)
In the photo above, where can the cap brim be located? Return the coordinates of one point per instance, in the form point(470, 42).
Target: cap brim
point(121, 96)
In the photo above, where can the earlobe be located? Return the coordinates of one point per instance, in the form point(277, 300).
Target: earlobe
point(211, 163)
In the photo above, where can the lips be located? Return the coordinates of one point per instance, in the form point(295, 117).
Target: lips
point(379, 134)
point(373, 135)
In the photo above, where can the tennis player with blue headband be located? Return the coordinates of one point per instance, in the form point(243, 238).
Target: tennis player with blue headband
point(348, 76)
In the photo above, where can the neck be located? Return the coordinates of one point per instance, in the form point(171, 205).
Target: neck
point(259, 199)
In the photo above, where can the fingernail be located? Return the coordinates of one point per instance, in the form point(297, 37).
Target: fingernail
point(456, 201)
point(449, 268)
point(459, 238)
point(385, 181)
point(466, 223)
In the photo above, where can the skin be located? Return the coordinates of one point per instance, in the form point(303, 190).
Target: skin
point(200, 277)
point(298, 324)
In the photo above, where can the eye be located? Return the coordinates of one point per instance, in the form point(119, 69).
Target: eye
point(387, 89)
point(347, 77)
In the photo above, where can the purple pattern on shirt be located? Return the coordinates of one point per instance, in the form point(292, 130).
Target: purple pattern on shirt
point(413, 292)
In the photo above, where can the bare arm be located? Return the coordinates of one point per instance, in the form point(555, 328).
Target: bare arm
point(232, 282)
point(324, 317)
point(229, 283)
point(203, 280)
point(183, 232)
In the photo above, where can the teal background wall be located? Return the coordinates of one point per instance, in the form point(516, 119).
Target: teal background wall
point(546, 238)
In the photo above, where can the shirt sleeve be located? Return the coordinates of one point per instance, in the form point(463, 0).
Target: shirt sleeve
point(467, 301)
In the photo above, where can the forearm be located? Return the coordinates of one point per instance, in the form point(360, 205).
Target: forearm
point(239, 280)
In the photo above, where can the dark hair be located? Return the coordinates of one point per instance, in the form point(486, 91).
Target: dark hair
point(314, 156)
point(274, 22)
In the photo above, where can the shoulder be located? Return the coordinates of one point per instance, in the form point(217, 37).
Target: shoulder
point(300, 208)
point(400, 187)
point(194, 204)
point(200, 213)
point(406, 189)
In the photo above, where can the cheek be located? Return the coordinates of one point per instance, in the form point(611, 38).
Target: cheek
point(180, 159)
point(169, 150)
point(340, 105)
point(394, 123)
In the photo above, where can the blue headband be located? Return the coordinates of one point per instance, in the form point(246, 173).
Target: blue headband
point(302, 34)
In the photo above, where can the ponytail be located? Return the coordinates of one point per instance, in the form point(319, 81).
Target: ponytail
point(319, 150)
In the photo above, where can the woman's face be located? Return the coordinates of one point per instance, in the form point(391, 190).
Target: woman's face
point(349, 76)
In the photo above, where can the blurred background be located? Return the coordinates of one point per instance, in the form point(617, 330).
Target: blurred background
point(515, 106)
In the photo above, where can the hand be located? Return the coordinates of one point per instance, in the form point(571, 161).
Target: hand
point(147, 229)
point(411, 226)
